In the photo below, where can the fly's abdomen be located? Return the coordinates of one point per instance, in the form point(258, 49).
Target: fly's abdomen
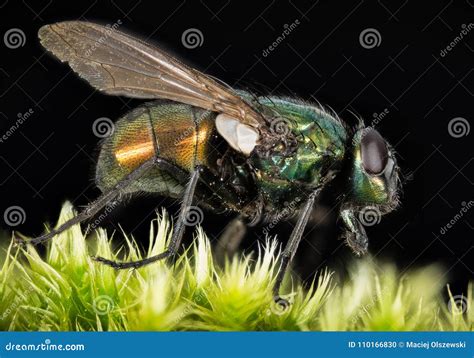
point(178, 133)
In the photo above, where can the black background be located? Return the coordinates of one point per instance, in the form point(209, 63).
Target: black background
point(51, 157)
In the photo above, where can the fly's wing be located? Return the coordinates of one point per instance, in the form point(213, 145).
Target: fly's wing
point(118, 64)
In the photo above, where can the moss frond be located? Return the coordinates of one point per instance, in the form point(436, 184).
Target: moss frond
point(66, 290)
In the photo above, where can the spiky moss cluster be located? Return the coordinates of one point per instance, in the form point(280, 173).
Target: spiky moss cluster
point(66, 290)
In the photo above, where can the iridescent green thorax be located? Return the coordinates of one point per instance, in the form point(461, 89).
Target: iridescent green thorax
point(321, 140)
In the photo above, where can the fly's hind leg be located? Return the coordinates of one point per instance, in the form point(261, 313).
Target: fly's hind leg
point(94, 207)
point(178, 231)
point(179, 228)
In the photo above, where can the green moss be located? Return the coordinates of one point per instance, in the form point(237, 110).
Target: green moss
point(65, 290)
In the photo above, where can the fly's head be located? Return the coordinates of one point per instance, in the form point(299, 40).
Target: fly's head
point(373, 186)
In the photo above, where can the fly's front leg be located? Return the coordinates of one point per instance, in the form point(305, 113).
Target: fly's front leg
point(178, 231)
point(356, 238)
point(93, 208)
point(291, 247)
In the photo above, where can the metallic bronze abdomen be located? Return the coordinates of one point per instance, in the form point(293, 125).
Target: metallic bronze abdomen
point(182, 135)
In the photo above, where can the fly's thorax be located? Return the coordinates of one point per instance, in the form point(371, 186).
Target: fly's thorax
point(316, 145)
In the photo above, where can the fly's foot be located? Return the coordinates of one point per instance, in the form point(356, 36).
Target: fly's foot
point(18, 241)
point(114, 264)
point(133, 264)
point(359, 244)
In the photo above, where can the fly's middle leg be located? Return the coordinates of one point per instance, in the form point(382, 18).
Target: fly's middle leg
point(291, 247)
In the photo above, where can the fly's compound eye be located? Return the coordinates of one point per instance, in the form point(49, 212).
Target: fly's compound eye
point(374, 152)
